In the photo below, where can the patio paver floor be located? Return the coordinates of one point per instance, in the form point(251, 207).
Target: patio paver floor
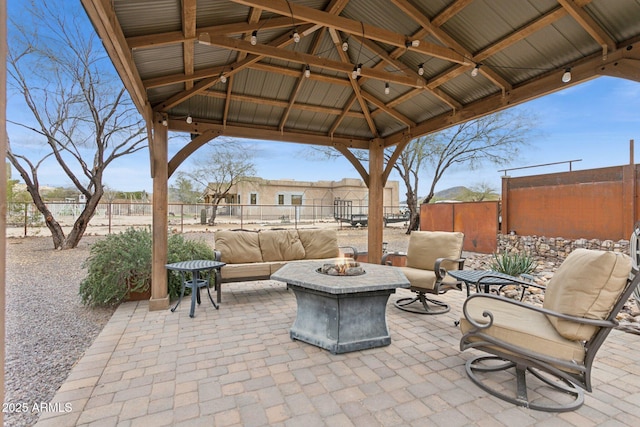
point(238, 366)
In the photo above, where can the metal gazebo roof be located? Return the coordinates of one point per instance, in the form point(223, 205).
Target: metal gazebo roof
point(366, 74)
point(195, 58)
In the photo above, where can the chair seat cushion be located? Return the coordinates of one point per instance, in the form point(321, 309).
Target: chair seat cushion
point(527, 329)
point(423, 279)
point(250, 271)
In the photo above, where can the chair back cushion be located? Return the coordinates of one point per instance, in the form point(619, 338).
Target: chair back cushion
point(425, 247)
point(237, 247)
point(587, 284)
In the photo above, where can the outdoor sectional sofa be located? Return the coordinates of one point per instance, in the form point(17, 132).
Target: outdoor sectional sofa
point(255, 255)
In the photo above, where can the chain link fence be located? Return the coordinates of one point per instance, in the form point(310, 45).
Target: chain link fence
point(23, 219)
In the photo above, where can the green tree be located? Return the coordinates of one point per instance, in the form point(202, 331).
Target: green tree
point(59, 194)
point(183, 190)
point(11, 183)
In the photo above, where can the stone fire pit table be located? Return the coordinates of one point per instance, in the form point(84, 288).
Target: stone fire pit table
point(341, 313)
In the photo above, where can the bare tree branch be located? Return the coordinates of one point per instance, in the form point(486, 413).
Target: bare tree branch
point(79, 110)
point(495, 139)
point(225, 164)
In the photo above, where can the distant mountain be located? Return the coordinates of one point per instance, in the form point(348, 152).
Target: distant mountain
point(459, 193)
point(452, 193)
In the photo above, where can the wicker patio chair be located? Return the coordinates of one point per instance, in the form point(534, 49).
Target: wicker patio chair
point(429, 255)
point(553, 346)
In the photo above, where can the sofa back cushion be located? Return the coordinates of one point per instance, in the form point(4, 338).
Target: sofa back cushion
point(587, 284)
point(237, 246)
point(425, 247)
point(280, 245)
point(319, 244)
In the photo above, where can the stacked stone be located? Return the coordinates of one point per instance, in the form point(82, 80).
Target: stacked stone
point(554, 250)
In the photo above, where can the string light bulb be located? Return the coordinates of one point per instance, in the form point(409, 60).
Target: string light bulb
point(474, 72)
point(296, 36)
point(307, 72)
point(359, 69)
point(566, 77)
point(189, 119)
point(412, 43)
point(345, 46)
point(204, 38)
point(165, 122)
point(223, 78)
point(254, 37)
point(354, 73)
point(421, 69)
point(386, 88)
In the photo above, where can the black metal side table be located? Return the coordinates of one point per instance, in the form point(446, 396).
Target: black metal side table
point(484, 279)
point(196, 283)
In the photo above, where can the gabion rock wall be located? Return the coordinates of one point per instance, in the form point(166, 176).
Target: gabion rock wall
point(554, 250)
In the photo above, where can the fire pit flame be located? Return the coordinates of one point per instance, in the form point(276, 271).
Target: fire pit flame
point(342, 267)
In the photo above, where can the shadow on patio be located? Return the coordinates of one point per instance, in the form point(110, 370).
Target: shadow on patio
point(238, 366)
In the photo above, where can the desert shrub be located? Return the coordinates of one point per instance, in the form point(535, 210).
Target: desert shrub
point(513, 263)
point(121, 263)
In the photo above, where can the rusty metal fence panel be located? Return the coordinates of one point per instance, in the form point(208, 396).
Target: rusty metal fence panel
point(589, 204)
point(479, 221)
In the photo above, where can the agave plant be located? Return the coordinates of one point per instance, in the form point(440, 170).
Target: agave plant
point(513, 264)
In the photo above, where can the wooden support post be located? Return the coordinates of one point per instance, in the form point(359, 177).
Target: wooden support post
point(3, 186)
point(376, 200)
point(629, 215)
point(159, 287)
point(504, 208)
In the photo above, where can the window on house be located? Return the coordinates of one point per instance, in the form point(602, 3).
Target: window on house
point(281, 199)
point(296, 200)
point(253, 199)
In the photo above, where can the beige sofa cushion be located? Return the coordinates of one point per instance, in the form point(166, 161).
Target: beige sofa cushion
point(238, 247)
point(319, 244)
point(280, 245)
point(586, 285)
point(241, 272)
point(524, 328)
point(425, 247)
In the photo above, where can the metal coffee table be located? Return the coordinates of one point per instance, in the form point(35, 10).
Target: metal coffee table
point(484, 279)
point(341, 313)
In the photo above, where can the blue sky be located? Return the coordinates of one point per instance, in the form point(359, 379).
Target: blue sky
point(592, 121)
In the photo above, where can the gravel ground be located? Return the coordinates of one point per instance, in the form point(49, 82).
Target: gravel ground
point(48, 329)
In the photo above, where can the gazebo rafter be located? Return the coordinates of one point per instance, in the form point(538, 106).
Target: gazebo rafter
point(235, 69)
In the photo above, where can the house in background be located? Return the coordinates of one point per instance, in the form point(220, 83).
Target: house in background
point(319, 196)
